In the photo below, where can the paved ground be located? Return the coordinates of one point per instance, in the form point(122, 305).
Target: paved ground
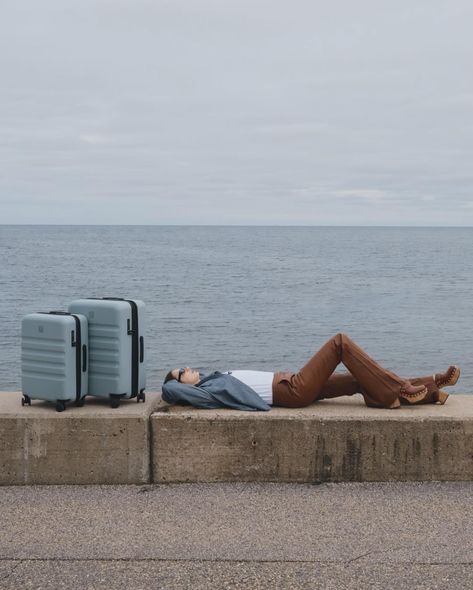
point(340, 536)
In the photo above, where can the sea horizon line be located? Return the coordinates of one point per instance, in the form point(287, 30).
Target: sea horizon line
point(233, 225)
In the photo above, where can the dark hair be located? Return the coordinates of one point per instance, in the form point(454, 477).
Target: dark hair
point(168, 377)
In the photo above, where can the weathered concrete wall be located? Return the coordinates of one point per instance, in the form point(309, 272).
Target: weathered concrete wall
point(333, 440)
point(336, 440)
point(90, 445)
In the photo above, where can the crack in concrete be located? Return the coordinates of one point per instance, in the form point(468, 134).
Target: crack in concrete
point(11, 571)
point(372, 552)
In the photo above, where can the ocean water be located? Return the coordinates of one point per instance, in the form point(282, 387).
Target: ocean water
point(220, 298)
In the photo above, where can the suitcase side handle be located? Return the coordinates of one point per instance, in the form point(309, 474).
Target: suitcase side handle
point(84, 358)
point(142, 349)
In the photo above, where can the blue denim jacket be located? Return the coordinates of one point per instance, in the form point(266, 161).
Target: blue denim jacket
point(217, 390)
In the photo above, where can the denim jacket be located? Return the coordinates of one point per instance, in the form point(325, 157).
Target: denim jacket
point(217, 390)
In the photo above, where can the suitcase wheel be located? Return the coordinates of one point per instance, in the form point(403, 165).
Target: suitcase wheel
point(141, 397)
point(114, 402)
point(60, 406)
point(80, 402)
point(26, 400)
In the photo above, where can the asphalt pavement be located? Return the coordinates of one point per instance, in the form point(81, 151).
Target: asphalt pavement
point(201, 536)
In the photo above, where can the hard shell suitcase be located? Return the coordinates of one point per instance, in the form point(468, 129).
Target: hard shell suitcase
point(54, 358)
point(117, 364)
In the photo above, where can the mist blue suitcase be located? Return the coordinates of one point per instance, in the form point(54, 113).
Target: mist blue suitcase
point(117, 363)
point(54, 358)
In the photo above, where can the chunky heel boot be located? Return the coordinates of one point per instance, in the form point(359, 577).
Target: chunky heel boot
point(412, 394)
point(450, 377)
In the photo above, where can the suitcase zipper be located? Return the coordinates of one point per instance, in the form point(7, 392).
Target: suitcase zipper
point(134, 347)
point(78, 345)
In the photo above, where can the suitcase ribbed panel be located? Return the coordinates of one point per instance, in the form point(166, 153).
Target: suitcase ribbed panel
point(104, 354)
point(35, 358)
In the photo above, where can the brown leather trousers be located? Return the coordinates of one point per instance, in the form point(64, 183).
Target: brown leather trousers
point(317, 380)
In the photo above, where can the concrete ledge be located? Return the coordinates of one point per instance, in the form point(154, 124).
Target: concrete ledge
point(332, 440)
point(90, 445)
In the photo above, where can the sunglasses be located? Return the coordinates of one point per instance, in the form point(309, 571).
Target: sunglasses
point(181, 373)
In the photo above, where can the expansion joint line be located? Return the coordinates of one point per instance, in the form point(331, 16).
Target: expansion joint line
point(219, 560)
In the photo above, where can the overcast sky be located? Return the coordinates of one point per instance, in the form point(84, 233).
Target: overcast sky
point(236, 112)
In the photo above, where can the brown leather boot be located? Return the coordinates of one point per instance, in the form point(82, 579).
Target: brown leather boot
point(412, 394)
point(450, 377)
point(434, 394)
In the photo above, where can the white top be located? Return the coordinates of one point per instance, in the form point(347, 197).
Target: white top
point(260, 381)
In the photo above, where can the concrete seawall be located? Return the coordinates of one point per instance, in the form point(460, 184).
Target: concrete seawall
point(94, 444)
point(333, 440)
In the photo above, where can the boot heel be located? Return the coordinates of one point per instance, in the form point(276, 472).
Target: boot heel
point(443, 396)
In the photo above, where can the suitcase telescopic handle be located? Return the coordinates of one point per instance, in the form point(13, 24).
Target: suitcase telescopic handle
point(142, 349)
point(113, 298)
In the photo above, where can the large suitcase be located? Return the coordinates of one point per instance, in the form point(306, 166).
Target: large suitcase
point(54, 358)
point(117, 363)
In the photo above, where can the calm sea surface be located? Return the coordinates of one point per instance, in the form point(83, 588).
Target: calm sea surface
point(267, 298)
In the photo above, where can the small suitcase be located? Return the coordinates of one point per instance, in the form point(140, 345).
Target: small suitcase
point(54, 358)
point(117, 364)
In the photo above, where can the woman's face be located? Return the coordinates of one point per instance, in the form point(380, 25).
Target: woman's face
point(186, 375)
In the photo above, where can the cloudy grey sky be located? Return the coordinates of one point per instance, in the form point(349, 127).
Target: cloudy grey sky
point(236, 112)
